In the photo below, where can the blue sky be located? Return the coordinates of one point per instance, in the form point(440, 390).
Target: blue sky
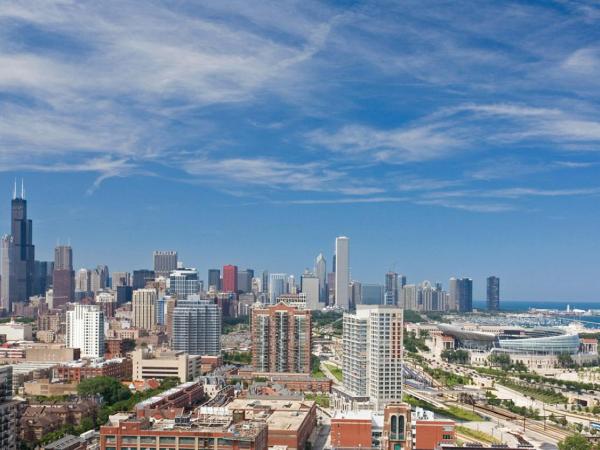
point(444, 138)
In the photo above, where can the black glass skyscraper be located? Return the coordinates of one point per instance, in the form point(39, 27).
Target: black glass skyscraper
point(23, 254)
point(493, 293)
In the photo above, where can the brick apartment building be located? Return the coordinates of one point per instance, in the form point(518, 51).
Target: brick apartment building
point(186, 432)
point(281, 339)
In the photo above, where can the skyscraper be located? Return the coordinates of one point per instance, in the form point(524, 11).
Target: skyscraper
point(83, 282)
point(144, 309)
point(373, 354)
point(321, 273)
point(214, 279)
point(85, 330)
point(410, 297)
point(22, 256)
point(7, 280)
point(164, 262)
point(309, 285)
point(230, 278)
point(277, 286)
point(120, 279)
point(461, 294)
point(184, 282)
point(100, 277)
point(342, 272)
point(493, 293)
point(197, 327)
point(391, 288)
point(265, 281)
point(281, 339)
point(42, 276)
point(244, 280)
point(141, 277)
point(63, 277)
point(371, 294)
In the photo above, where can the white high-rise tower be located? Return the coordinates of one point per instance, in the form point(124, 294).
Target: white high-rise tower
point(342, 272)
point(85, 330)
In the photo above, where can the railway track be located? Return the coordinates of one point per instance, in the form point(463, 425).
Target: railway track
point(533, 425)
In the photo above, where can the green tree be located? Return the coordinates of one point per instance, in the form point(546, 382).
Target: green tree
point(110, 389)
point(575, 442)
point(499, 359)
point(128, 345)
point(565, 360)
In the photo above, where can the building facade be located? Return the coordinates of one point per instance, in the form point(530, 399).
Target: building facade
point(373, 354)
point(184, 282)
point(230, 278)
point(197, 327)
point(461, 294)
point(493, 293)
point(144, 309)
point(85, 330)
point(281, 339)
point(342, 272)
point(164, 262)
point(214, 279)
point(63, 277)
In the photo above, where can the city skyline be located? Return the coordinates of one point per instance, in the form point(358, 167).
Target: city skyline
point(460, 139)
point(479, 288)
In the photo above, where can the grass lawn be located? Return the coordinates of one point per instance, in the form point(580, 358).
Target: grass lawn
point(462, 414)
point(335, 371)
point(320, 399)
point(477, 435)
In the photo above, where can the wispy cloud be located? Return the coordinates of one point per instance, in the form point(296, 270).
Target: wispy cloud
point(410, 144)
point(512, 167)
point(277, 98)
point(271, 174)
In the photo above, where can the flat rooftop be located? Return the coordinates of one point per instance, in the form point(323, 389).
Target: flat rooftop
point(273, 404)
point(286, 420)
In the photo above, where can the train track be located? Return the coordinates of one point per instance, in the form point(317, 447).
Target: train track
point(533, 425)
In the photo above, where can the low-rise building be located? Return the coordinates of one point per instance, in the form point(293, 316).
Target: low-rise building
point(186, 395)
point(165, 364)
point(295, 382)
point(67, 442)
point(290, 422)
point(55, 353)
point(16, 331)
point(352, 429)
point(39, 419)
point(432, 434)
point(192, 431)
point(46, 388)
point(119, 368)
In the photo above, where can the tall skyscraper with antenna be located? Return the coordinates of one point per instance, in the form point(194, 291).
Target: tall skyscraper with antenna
point(19, 253)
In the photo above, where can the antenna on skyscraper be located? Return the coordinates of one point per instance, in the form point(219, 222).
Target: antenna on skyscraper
point(15, 190)
point(22, 188)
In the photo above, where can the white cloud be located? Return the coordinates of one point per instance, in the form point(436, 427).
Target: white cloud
point(272, 174)
point(399, 145)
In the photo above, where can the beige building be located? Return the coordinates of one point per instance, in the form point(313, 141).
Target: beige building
point(15, 331)
point(144, 309)
point(51, 353)
point(165, 364)
point(45, 388)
